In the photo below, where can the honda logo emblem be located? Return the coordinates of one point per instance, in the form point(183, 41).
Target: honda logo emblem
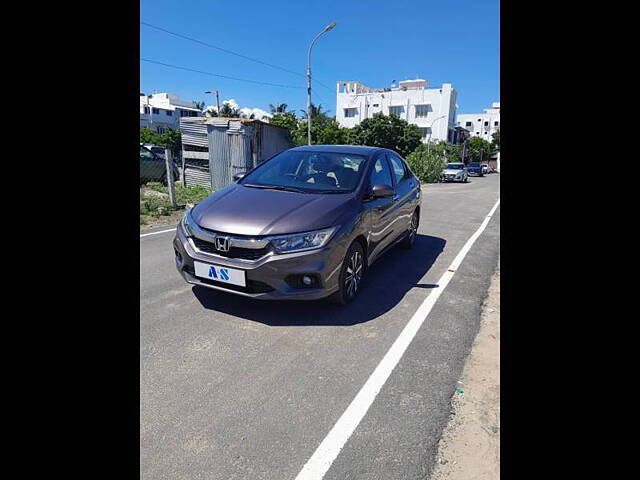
point(222, 244)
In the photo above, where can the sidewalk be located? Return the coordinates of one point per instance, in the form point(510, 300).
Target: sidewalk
point(470, 445)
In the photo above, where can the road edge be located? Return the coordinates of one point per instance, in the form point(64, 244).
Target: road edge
point(470, 442)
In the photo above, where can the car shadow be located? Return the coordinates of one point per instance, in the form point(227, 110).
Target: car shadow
point(386, 283)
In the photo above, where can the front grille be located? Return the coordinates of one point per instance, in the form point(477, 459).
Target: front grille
point(234, 252)
point(253, 286)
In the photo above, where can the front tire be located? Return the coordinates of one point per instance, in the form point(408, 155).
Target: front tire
point(350, 275)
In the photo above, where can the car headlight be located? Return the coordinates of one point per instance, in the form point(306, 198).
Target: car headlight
point(299, 242)
point(186, 223)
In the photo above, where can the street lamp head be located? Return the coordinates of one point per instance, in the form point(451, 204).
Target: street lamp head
point(329, 27)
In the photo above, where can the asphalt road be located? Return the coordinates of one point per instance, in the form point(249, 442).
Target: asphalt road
point(239, 389)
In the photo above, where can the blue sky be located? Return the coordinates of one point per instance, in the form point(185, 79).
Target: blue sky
point(374, 42)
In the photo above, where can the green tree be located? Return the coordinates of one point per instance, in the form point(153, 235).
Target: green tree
point(287, 120)
point(495, 141)
point(171, 139)
point(479, 149)
point(149, 136)
point(330, 133)
point(387, 131)
point(199, 105)
point(427, 166)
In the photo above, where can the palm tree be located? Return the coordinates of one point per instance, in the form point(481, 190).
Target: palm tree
point(228, 111)
point(316, 111)
point(280, 108)
point(199, 105)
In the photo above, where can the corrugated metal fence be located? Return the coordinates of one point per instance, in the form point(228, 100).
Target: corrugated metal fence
point(215, 149)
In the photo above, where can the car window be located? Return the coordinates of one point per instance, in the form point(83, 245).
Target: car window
point(380, 173)
point(145, 154)
point(309, 171)
point(398, 168)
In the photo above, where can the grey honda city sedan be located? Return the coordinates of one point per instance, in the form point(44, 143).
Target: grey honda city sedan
point(305, 224)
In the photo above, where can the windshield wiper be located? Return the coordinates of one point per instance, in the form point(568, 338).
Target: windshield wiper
point(274, 187)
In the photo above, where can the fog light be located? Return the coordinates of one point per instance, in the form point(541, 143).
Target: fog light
point(306, 280)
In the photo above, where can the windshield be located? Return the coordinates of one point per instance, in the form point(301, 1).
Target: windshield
point(455, 166)
point(309, 172)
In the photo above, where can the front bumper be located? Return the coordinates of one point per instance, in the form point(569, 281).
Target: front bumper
point(452, 179)
point(265, 277)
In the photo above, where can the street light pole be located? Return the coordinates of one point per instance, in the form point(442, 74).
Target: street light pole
point(217, 99)
point(430, 127)
point(326, 29)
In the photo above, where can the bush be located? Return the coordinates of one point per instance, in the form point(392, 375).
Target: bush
point(427, 167)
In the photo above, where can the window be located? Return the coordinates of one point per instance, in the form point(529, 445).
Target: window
point(467, 124)
point(145, 154)
point(350, 112)
point(398, 168)
point(376, 105)
point(397, 110)
point(479, 119)
point(425, 131)
point(486, 124)
point(155, 111)
point(381, 173)
point(422, 111)
point(169, 113)
point(309, 171)
point(146, 110)
point(160, 130)
point(496, 123)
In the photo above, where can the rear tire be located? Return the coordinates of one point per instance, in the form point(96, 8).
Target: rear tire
point(410, 239)
point(351, 274)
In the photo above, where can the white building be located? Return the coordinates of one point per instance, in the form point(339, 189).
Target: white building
point(161, 110)
point(482, 124)
point(431, 109)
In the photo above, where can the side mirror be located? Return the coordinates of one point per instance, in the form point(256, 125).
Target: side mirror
point(238, 176)
point(382, 190)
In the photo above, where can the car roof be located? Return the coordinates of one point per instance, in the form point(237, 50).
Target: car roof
point(353, 149)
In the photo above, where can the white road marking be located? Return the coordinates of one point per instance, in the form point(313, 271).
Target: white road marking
point(321, 460)
point(155, 233)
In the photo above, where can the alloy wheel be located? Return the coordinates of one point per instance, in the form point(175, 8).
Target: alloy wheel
point(353, 274)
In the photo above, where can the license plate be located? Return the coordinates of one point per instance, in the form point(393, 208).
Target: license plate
point(220, 274)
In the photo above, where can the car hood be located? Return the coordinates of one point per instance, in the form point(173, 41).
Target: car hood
point(452, 172)
point(251, 211)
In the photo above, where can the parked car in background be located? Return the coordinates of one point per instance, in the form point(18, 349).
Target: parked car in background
point(455, 172)
point(159, 151)
point(474, 168)
point(304, 225)
point(485, 167)
point(153, 168)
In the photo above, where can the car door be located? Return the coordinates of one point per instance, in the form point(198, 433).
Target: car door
point(405, 185)
point(379, 211)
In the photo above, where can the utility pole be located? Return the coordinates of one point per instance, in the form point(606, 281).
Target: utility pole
point(326, 29)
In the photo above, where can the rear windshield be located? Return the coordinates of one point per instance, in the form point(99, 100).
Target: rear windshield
point(309, 171)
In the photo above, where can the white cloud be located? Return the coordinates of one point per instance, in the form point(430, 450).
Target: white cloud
point(257, 112)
